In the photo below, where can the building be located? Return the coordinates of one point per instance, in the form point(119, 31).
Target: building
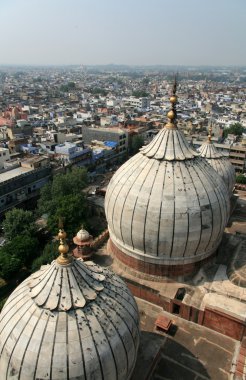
point(21, 184)
point(15, 145)
point(238, 158)
point(104, 152)
point(106, 134)
point(17, 130)
point(71, 154)
point(141, 103)
point(108, 120)
point(4, 156)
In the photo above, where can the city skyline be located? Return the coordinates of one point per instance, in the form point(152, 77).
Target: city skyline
point(98, 33)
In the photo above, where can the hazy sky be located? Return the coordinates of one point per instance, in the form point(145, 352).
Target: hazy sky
point(138, 32)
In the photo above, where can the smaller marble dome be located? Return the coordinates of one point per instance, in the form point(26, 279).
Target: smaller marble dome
point(83, 241)
point(83, 235)
point(69, 320)
point(219, 162)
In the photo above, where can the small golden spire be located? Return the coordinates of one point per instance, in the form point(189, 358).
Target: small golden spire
point(64, 258)
point(172, 114)
point(210, 134)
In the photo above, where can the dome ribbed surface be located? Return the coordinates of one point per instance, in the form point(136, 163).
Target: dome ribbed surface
point(166, 205)
point(74, 322)
point(65, 288)
point(208, 150)
point(169, 144)
point(220, 163)
point(83, 235)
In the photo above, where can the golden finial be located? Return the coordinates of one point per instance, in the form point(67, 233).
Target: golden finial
point(172, 114)
point(64, 258)
point(210, 133)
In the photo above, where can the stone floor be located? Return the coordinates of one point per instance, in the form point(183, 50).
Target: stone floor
point(187, 352)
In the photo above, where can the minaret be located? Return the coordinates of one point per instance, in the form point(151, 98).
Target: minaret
point(83, 241)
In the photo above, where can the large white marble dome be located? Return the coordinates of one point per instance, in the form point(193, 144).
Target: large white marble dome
point(220, 163)
point(70, 320)
point(166, 206)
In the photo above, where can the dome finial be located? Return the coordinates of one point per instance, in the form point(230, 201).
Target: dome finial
point(64, 258)
point(172, 114)
point(210, 133)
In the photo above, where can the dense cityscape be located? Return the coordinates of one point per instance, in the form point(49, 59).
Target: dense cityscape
point(95, 117)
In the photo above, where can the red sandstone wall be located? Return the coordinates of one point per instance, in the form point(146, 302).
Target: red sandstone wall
point(155, 269)
point(148, 294)
point(224, 324)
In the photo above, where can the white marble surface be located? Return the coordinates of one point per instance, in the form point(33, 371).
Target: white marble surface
point(166, 207)
point(220, 163)
point(74, 322)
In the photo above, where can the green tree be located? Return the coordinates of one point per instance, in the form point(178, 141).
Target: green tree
point(72, 209)
point(67, 87)
point(235, 129)
point(9, 265)
point(241, 179)
point(16, 254)
point(49, 254)
point(63, 198)
point(136, 143)
point(18, 222)
point(98, 91)
point(140, 94)
point(70, 183)
point(145, 80)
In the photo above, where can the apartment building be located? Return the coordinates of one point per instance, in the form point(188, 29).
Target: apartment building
point(237, 157)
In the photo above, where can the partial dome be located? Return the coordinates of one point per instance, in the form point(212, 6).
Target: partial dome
point(74, 321)
point(166, 207)
point(220, 163)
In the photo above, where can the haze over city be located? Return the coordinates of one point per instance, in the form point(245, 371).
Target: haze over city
point(140, 32)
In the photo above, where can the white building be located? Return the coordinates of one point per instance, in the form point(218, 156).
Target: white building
point(4, 156)
point(140, 103)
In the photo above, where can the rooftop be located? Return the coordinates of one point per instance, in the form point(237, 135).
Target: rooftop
point(14, 173)
point(188, 352)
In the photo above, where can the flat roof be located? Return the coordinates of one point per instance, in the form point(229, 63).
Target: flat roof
point(14, 173)
point(108, 129)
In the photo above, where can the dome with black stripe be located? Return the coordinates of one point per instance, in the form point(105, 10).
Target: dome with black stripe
point(69, 321)
point(166, 205)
